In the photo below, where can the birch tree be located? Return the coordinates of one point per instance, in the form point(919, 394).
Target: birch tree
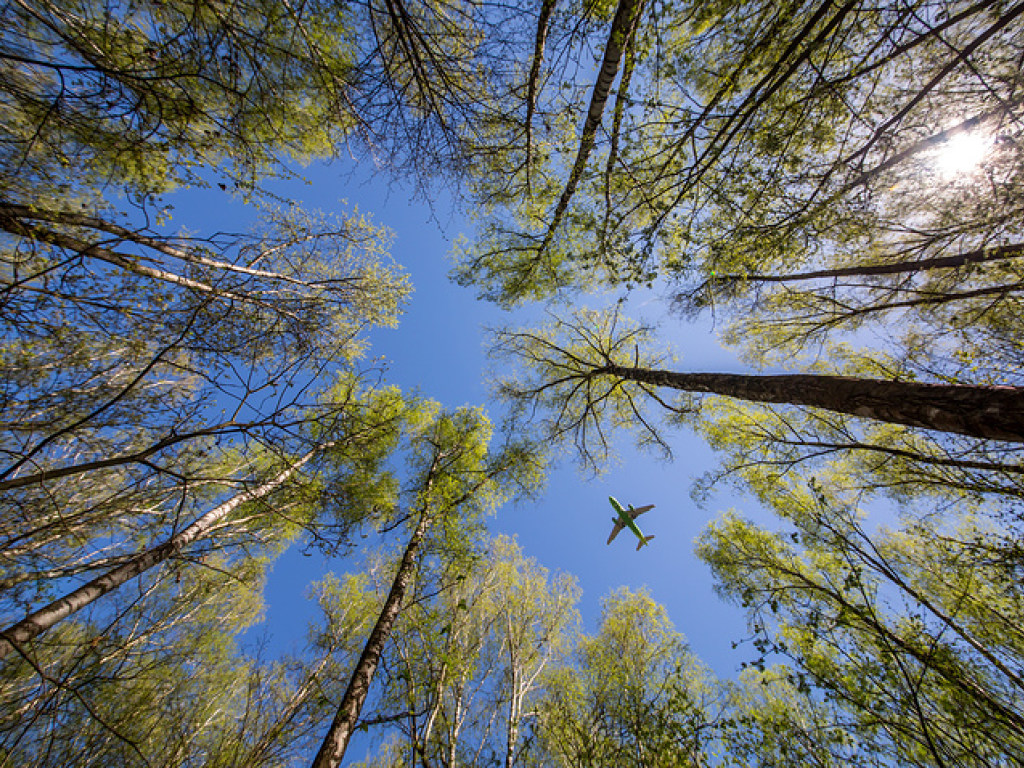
point(909, 630)
point(454, 480)
point(465, 669)
point(635, 695)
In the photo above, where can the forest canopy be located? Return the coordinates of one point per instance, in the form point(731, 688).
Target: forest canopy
point(837, 186)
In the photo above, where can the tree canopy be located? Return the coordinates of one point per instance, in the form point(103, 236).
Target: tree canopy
point(837, 184)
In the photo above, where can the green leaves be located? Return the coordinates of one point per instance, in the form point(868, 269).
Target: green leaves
point(885, 623)
point(147, 96)
point(634, 695)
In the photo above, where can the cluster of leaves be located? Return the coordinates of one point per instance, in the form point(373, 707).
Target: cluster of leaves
point(781, 166)
point(497, 672)
point(177, 409)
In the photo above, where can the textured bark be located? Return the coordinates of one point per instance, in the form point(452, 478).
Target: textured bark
point(629, 66)
point(43, 619)
point(992, 413)
point(980, 256)
point(514, 699)
point(532, 84)
point(332, 750)
point(623, 26)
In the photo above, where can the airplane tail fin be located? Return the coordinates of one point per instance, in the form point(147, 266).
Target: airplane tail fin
point(643, 542)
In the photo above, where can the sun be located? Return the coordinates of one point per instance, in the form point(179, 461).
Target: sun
point(962, 153)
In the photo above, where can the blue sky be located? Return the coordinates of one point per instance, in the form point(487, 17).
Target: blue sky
point(439, 350)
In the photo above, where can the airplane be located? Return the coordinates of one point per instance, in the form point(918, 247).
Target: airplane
point(625, 520)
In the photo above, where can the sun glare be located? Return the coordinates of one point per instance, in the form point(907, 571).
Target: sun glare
point(962, 153)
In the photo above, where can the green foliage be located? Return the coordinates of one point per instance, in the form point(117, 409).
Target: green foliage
point(753, 138)
point(762, 446)
point(635, 695)
point(775, 719)
point(163, 684)
point(148, 93)
point(775, 163)
point(910, 631)
point(465, 668)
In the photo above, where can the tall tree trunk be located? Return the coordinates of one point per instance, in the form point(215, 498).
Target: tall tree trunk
point(512, 720)
point(533, 82)
point(627, 15)
point(43, 619)
point(992, 413)
point(979, 256)
point(332, 751)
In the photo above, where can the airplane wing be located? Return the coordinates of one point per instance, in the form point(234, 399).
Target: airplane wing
point(618, 526)
point(635, 513)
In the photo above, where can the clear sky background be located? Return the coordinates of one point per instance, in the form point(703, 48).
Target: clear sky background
point(439, 350)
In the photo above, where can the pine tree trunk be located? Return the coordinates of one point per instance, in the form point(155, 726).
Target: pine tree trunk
point(332, 751)
point(43, 619)
point(991, 413)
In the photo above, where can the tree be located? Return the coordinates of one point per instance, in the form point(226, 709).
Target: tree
point(116, 372)
point(14, 637)
point(751, 134)
point(467, 659)
point(154, 678)
point(781, 166)
point(357, 430)
point(167, 684)
point(120, 359)
point(593, 372)
point(910, 631)
point(151, 95)
point(635, 695)
point(619, 45)
point(272, 500)
point(454, 480)
point(773, 717)
point(147, 93)
point(762, 446)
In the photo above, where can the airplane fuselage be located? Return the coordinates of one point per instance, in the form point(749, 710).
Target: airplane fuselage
point(625, 517)
point(625, 520)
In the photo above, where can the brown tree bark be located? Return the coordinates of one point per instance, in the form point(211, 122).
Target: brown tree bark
point(979, 256)
point(991, 413)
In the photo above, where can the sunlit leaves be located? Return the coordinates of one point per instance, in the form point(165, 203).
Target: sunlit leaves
point(906, 630)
